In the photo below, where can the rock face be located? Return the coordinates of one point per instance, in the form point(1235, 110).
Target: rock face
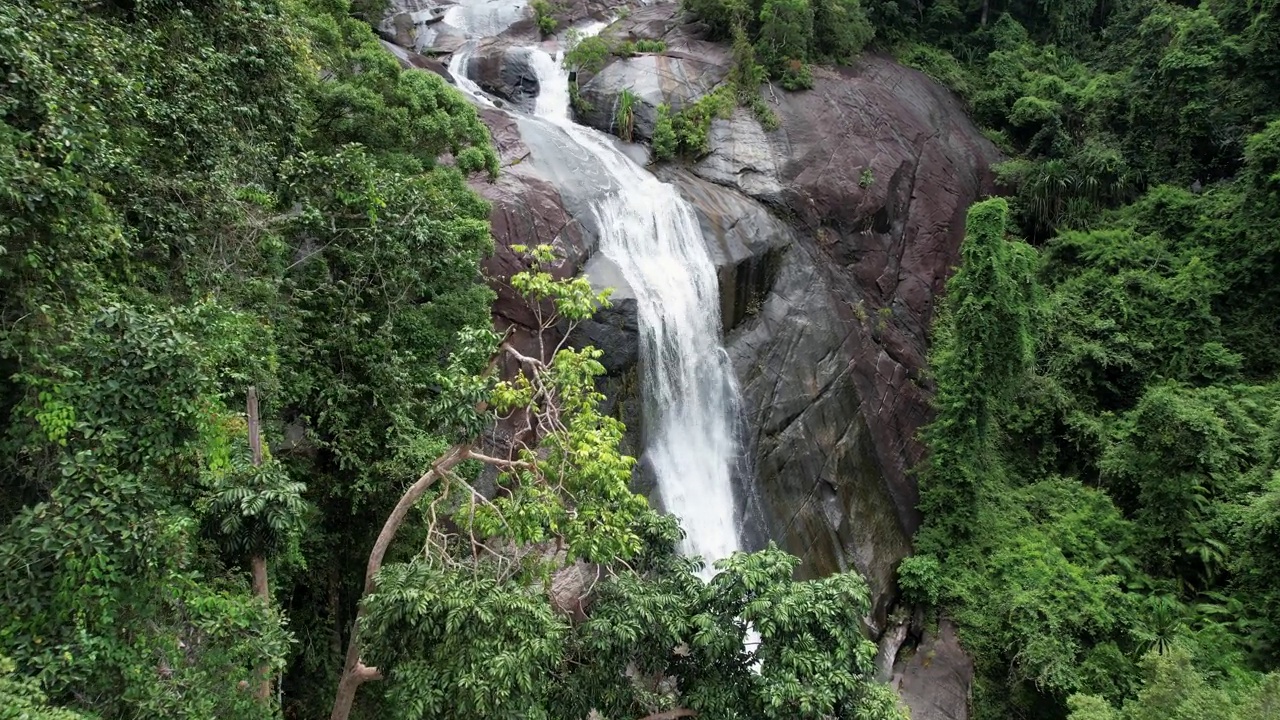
point(875, 167)
point(528, 210)
point(688, 69)
point(746, 242)
point(934, 682)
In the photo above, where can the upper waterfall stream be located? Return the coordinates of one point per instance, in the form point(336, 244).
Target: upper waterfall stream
point(691, 398)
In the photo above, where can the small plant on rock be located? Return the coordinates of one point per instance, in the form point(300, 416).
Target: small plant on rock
point(624, 119)
point(664, 134)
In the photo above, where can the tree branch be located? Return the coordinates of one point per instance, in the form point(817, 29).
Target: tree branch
point(355, 673)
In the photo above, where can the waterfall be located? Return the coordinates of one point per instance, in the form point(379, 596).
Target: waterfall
point(691, 396)
point(690, 393)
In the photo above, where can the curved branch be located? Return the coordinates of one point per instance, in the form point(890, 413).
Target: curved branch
point(522, 358)
point(499, 462)
point(355, 673)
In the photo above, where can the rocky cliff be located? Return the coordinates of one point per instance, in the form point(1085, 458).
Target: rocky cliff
point(833, 236)
point(855, 208)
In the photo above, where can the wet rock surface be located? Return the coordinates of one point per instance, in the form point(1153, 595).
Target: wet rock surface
point(746, 242)
point(875, 167)
point(410, 59)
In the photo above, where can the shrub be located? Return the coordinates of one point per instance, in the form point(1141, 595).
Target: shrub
point(920, 579)
point(543, 15)
point(664, 134)
point(589, 55)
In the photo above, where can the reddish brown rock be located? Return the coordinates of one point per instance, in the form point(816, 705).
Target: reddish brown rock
point(526, 210)
point(877, 165)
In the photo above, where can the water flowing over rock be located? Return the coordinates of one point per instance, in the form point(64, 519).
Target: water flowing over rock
point(829, 238)
point(651, 235)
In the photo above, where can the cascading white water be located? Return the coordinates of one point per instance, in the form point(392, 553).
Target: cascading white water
point(691, 396)
point(458, 69)
point(652, 235)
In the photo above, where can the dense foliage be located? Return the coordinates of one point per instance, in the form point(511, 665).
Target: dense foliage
point(206, 201)
point(1102, 491)
point(787, 35)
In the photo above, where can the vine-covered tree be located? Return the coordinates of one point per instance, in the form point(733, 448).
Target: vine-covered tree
point(983, 349)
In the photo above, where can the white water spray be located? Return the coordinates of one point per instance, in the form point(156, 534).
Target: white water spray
point(691, 396)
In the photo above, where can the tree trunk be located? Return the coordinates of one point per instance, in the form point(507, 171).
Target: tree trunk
point(258, 562)
point(986, 6)
point(260, 589)
point(354, 672)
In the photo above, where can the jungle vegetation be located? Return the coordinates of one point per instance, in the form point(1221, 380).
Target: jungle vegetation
point(247, 367)
point(1102, 496)
point(199, 198)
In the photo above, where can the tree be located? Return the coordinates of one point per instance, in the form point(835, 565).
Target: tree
point(1175, 689)
point(572, 492)
point(240, 194)
point(658, 639)
point(786, 34)
point(254, 508)
point(841, 30)
point(983, 348)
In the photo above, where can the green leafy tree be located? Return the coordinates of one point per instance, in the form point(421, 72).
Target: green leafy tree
point(786, 33)
point(22, 699)
point(841, 30)
point(572, 493)
point(1175, 688)
point(657, 639)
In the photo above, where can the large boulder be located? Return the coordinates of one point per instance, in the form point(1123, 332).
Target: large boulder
point(502, 69)
point(934, 680)
point(404, 20)
point(686, 70)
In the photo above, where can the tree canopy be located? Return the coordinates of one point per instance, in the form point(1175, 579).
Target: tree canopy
point(1102, 554)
